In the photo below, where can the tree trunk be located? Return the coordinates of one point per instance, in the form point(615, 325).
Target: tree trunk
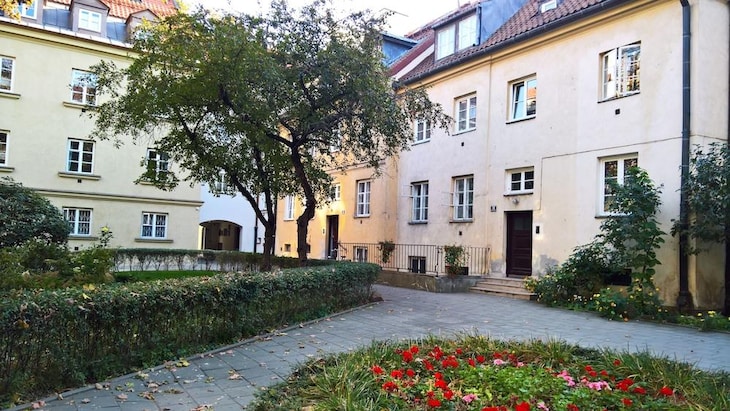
point(303, 230)
point(269, 242)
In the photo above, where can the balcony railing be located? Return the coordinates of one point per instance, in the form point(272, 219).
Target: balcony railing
point(417, 258)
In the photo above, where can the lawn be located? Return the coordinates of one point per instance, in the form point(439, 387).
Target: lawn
point(478, 373)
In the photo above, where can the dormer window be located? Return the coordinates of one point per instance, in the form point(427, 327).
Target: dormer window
point(89, 20)
point(456, 36)
point(548, 5)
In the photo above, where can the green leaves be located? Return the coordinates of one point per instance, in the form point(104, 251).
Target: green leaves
point(26, 215)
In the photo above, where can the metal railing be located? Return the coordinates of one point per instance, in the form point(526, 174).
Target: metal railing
point(417, 258)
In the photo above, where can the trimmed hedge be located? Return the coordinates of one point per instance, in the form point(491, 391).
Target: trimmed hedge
point(54, 339)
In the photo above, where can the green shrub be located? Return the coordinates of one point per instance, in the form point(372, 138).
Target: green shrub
point(53, 339)
point(26, 215)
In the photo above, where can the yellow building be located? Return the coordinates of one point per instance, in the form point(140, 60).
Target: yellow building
point(45, 142)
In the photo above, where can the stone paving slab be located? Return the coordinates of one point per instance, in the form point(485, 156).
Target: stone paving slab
point(228, 378)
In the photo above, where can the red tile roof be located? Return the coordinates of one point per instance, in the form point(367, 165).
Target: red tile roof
point(526, 21)
point(123, 8)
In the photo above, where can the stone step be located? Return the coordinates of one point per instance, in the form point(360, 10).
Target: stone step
point(507, 287)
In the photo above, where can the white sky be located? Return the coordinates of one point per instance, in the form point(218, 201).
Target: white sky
point(409, 14)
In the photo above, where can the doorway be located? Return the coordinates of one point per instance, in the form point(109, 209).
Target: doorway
point(519, 243)
point(333, 239)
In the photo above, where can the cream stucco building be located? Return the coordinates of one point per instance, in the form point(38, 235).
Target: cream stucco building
point(551, 99)
point(45, 132)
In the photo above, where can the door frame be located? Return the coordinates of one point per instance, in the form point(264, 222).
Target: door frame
point(510, 232)
point(332, 240)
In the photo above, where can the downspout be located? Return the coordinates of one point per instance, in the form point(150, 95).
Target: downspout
point(726, 305)
point(684, 299)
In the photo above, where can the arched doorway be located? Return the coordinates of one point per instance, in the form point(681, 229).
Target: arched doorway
point(221, 235)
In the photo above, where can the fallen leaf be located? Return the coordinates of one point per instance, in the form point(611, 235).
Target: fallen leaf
point(122, 397)
point(38, 404)
point(85, 401)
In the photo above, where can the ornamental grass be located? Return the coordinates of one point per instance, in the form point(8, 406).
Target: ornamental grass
point(482, 374)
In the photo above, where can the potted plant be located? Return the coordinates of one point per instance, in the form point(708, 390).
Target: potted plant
point(386, 248)
point(455, 259)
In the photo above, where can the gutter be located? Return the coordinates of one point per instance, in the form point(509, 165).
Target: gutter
point(684, 299)
point(597, 9)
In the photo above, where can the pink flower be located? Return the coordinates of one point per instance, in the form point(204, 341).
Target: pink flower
point(541, 405)
point(468, 398)
point(568, 379)
point(498, 361)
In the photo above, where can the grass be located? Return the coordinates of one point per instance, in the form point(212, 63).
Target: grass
point(478, 373)
point(129, 276)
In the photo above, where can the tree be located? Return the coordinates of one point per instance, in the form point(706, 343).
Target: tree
point(10, 7)
point(263, 99)
point(26, 215)
point(708, 197)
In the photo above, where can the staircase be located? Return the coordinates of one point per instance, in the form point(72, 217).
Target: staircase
point(504, 286)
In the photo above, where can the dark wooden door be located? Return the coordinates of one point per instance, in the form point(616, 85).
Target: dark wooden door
point(333, 240)
point(519, 243)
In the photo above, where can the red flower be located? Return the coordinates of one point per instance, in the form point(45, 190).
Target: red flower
point(414, 349)
point(438, 376)
point(459, 351)
point(410, 373)
point(390, 386)
point(376, 369)
point(666, 391)
point(617, 362)
point(481, 359)
point(573, 407)
point(592, 373)
point(627, 402)
point(448, 394)
point(434, 402)
point(396, 374)
point(624, 384)
point(441, 384)
point(472, 362)
point(604, 373)
point(407, 356)
point(640, 390)
point(428, 365)
point(523, 406)
point(490, 409)
point(588, 368)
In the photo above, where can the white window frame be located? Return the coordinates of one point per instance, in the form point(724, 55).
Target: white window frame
point(463, 198)
point(28, 11)
point(161, 161)
point(445, 38)
point(623, 163)
point(419, 202)
point(466, 113)
point(83, 87)
point(4, 147)
point(520, 181)
point(220, 186)
point(79, 220)
point(89, 20)
point(80, 156)
point(289, 208)
point(467, 32)
point(336, 192)
point(417, 264)
point(421, 131)
point(360, 254)
point(522, 104)
point(156, 223)
point(7, 73)
point(362, 208)
point(620, 71)
point(548, 5)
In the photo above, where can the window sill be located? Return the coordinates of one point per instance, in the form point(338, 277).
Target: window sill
point(81, 106)
point(82, 237)
point(456, 133)
point(6, 169)
point(606, 100)
point(363, 216)
point(469, 220)
point(80, 176)
point(10, 95)
point(416, 143)
point(417, 222)
point(519, 120)
point(518, 193)
point(152, 240)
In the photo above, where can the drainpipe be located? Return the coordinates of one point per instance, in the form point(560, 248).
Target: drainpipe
point(684, 299)
point(726, 306)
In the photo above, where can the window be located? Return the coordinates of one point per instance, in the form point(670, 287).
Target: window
point(6, 73)
point(335, 191)
point(363, 199)
point(614, 170)
point(520, 181)
point(79, 220)
point(220, 185)
point(620, 70)
point(154, 225)
point(27, 11)
point(361, 254)
point(524, 99)
point(289, 208)
point(80, 156)
point(548, 5)
point(419, 196)
point(466, 114)
point(158, 163)
point(83, 87)
point(3, 148)
point(417, 264)
point(422, 131)
point(457, 36)
point(463, 201)
point(89, 20)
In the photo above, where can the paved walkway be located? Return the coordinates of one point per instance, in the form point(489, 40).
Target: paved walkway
point(227, 379)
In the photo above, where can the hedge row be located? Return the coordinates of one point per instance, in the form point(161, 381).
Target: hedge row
point(178, 259)
point(51, 339)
